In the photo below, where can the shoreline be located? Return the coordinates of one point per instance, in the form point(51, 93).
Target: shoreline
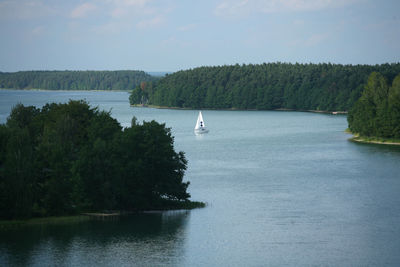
point(372, 140)
point(83, 217)
point(178, 108)
point(238, 109)
point(67, 219)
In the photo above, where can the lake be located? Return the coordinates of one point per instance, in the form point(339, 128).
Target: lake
point(283, 188)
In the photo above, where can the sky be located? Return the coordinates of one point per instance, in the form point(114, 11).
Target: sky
point(172, 35)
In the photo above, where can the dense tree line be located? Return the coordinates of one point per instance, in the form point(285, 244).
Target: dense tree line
point(266, 86)
point(67, 158)
point(377, 112)
point(74, 80)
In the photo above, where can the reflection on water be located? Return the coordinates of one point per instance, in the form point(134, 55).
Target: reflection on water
point(139, 238)
point(372, 148)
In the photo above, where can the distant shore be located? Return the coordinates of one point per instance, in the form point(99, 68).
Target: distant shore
point(65, 90)
point(237, 109)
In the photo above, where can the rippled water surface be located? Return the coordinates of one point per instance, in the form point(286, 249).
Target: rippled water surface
point(283, 188)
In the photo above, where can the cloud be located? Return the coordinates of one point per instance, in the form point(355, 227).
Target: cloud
point(298, 22)
point(37, 31)
point(82, 10)
point(116, 17)
point(170, 41)
point(234, 8)
point(240, 8)
point(127, 2)
point(25, 10)
point(188, 27)
point(112, 27)
point(150, 23)
point(131, 2)
point(316, 39)
point(125, 8)
point(311, 41)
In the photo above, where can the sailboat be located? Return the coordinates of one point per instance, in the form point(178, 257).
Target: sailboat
point(200, 127)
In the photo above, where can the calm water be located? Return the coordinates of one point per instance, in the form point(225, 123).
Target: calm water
point(283, 188)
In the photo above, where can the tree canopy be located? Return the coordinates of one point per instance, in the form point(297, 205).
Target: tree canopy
point(74, 80)
point(377, 112)
point(329, 87)
point(66, 158)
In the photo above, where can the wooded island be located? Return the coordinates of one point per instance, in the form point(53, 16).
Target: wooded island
point(71, 158)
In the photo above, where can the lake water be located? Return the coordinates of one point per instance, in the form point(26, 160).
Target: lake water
point(283, 188)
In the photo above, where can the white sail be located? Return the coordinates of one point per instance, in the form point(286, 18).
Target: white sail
point(200, 125)
point(200, 122)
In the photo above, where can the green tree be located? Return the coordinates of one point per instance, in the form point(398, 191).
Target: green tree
point(394, 106)
point(68, 158)
point(376, 113)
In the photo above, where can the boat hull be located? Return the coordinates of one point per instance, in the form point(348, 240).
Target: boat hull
point(201, 131)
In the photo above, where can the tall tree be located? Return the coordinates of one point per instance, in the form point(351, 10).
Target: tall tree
point(376, 113)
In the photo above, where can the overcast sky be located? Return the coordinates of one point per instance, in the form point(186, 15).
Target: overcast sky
point(170, 35)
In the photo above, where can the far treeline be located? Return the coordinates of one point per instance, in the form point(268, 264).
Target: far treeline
point(377, 113)
point(74, 80)
point(325, 87)
point(70, 158)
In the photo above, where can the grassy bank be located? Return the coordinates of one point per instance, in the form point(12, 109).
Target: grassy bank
point(180, 205)
point(164, 205)
point(4, 224)
point(373, 140)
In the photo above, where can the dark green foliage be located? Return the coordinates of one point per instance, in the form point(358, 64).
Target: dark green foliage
point(74, 80)
point(66, 158)
point(377, 112)
point(267, 86)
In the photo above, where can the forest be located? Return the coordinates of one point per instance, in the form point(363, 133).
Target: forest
point(377, 112)
point(74, 80)
point(70, 158)
point(268, 86)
